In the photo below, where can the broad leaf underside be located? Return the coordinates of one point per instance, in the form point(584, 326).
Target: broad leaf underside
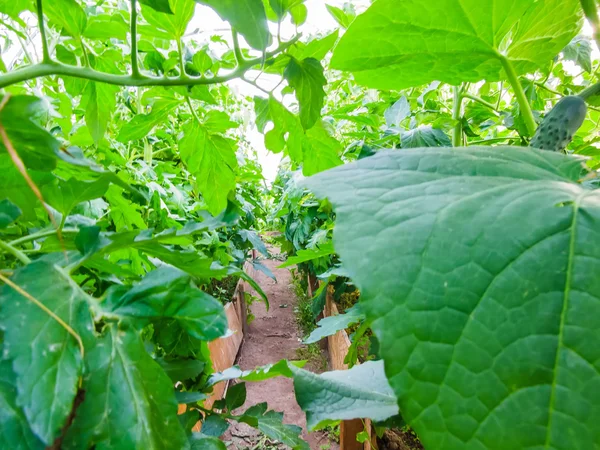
point(488, 304)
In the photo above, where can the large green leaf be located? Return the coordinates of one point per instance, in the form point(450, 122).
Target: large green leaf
point(46, 359)
point(168, 293)
point(477, 266)
point(248, 17)
point(173, 24)
point(68, 15)
point(307, 79)
point(129, 400)
point(211, 158)
point(362, 392)
point(15, 432)
point(398, 44)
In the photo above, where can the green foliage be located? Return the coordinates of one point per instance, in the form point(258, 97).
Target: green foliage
point(464, 43)
point(130, 189)
point(481, 285)
point(361, 392)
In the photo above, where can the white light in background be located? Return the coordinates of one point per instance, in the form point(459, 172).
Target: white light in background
point(318, 22)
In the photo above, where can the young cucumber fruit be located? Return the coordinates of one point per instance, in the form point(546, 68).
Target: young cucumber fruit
point(560, 124)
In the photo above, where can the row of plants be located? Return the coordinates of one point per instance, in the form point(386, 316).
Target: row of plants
point(128, 188)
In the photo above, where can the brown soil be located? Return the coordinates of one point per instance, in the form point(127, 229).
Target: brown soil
point(272, 336)
point(396, 439)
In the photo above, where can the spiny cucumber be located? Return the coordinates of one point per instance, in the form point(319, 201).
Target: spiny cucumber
point(560, 124)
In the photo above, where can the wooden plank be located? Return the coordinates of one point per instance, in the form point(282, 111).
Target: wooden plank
point(338, 346)
point(223, 351)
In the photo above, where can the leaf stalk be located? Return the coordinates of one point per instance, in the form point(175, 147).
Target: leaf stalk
point(55, 68)
point(524, 105)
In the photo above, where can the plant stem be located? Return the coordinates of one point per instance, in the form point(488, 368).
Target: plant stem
point(524, 105)
point(192, 110)
point(48, 311)
point(237, 51)
point(499, 139)
point(135, 71)
point(182, 73)
point(456, 106)
point(42, 27)
point(86, 59)
point(260, 88)
point(479, 100)
point(15, 252)
point(500, 94)
point(590, 91)
point(56, 68)
point(591, 14)
point(41, 234)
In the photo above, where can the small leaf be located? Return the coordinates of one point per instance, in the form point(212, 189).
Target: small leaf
point(202, 61)
point(142, 124)
point(168, 293)
point(65, 195)
point(255, 240)
point(212, 159)
point(214, 425)
point(199, 441)
point(305, 255)
point(396, 113)
point(307, 79)
point(579, 50)
point(340, 16)
point(9, 212)
point(262, 373)
point(271, 424)
point(424, 136)
point(317, 48)
point(236, 396)
point(100, 104)
point(181, 369)
point(320, 150)
point(362, 392)
point(331, 325)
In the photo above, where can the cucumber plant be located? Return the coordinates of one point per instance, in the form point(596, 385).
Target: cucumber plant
point(129, 187)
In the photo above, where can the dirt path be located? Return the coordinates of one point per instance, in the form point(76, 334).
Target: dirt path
point(272, 336)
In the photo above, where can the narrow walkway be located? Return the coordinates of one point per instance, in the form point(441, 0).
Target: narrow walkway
point(272, 336)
